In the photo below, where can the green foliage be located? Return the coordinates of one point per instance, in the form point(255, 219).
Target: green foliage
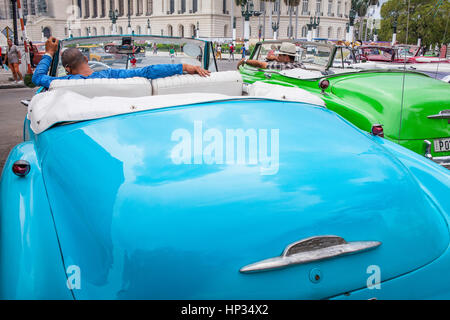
point(428, 20)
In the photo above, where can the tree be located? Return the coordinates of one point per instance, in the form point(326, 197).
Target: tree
point(361, 7)
point(428, 20)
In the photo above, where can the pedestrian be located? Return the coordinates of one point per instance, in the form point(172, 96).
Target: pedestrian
point(14, 57)
point(219, 52)
point(32, 51)
point(231, 52)
point(243, 51)
point(172, 54)
point(1, 59)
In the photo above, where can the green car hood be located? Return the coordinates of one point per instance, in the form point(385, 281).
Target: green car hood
point(380, 96)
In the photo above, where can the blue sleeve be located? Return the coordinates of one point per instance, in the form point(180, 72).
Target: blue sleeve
point(40, 75)
point(150, 72)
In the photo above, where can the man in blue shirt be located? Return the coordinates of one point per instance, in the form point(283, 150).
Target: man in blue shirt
point(77, 67)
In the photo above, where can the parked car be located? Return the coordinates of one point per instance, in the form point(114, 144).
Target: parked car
point(411, 106)
point(39, 51)
point(138, 189)
point(96, 53)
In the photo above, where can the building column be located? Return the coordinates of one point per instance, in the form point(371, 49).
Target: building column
point(116, 5)
point(83, 9)
point(145, 7)
point(107, 8)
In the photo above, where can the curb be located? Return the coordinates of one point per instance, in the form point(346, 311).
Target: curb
point(12, 86)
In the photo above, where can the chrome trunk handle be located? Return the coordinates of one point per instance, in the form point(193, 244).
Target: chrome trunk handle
point(444, 114)
point(309, 250)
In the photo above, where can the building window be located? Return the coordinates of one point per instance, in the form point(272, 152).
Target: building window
point(140, 7)
point(318, 7)
point(25, 8)
point(339, 7)
point(171, 6)
point(194, 6)
point(33, 7)
point(169, 30)
point(121, 8)
point(276, 6)
point(183, 6)
point(130, 7)
point(112, 5)
point(330, 32)
point(181, 31)
point(149, 7)
point(87, 14)
point(304, 31)
point(224, 6)
point(47, 32)
point(225, 31)
point(305, 4)
point(42, 7)
point(103, 11)
point(94, 5)
point(330, 7)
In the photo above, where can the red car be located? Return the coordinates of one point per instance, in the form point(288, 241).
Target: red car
point(39, 51)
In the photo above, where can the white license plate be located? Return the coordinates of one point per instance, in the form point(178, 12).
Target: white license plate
point(442, 145)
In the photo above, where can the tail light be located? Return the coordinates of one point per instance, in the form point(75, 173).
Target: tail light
point(21, 168)
point(324, 84)
point(377, 130)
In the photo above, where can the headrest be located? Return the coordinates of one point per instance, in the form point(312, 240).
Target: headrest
point(131, 87)
point(226, 82)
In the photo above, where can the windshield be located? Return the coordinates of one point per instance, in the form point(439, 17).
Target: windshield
point(108, 52)
point(317, 54)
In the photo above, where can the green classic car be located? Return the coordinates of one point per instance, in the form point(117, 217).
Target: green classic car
point(413, 108)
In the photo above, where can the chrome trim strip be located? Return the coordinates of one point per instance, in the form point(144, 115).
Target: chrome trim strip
point(309, 250)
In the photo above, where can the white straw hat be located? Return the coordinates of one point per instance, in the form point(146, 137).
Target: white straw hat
point(288, 48)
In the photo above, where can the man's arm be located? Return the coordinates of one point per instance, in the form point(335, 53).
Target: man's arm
point(253, 63)
point(40, 76)
point(157, 71)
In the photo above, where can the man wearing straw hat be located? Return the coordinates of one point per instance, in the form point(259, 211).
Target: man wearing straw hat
point(283, 61)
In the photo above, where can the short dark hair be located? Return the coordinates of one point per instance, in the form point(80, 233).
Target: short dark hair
point(72, 57)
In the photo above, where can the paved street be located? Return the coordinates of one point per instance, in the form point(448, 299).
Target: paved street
point(12, 115)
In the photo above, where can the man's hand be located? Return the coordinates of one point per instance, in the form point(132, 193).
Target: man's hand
point(195, 70)
point(240, 63)
point(51, 46)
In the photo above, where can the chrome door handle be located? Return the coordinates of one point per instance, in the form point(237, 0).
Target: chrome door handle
point(444, 114)
point(309, 250)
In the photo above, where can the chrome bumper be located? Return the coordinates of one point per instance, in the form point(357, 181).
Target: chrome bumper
point(443, 161)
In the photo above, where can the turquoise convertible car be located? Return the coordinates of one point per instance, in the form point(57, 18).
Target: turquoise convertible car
point(207, 188)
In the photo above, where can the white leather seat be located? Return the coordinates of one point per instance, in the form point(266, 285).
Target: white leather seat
point(131, 87)
point(228, 83)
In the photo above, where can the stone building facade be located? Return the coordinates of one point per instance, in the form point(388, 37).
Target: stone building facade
point(213, 18)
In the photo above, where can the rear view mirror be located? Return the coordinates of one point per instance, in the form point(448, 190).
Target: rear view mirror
point(192, 50)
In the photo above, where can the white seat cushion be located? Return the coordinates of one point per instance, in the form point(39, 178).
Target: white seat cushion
point(228, 83)
point(131, 87)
